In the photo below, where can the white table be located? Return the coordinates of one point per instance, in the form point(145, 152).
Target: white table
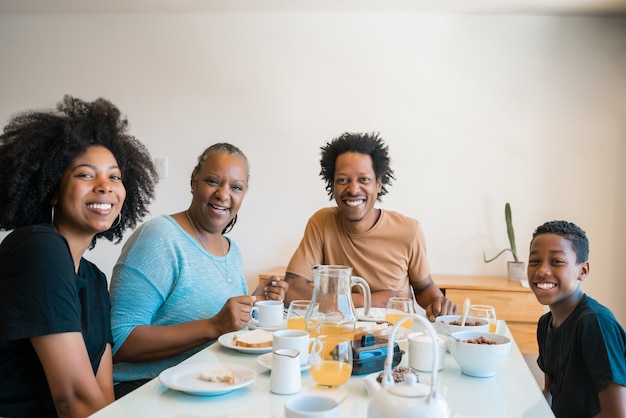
point(513, 392)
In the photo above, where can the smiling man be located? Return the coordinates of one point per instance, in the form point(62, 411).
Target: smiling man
point(384, 247)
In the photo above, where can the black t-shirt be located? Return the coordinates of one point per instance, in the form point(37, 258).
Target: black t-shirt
point(40, 294)
point(581, 356)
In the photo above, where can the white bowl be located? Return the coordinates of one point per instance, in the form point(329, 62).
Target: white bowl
point(445, 322)
point(480, 360)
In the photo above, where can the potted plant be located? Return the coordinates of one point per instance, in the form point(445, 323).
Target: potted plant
point(516, 269)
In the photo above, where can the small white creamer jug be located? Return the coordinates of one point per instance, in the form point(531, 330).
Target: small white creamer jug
point(285, 378)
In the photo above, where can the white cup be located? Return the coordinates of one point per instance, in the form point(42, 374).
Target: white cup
point(267, 313)
point(312, 407)
point(421, 351)
point(293, 339)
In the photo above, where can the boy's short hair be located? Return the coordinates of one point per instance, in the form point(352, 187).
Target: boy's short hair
point(570, 232)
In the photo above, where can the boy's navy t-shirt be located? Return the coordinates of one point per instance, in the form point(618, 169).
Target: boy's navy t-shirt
point(581, 356)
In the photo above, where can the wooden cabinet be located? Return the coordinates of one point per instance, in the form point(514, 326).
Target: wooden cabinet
point(514, 303)
point(276, 271)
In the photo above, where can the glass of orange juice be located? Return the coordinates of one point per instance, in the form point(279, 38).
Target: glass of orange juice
point(397, 307)
point(331, 360)
point(485, 312)
point(295, 314)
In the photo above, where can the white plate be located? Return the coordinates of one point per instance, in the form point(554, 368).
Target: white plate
point(265, 360)
point(186, 378)
point(227, 341)
point(252, 325)
point(375, 314)
point(401, 334)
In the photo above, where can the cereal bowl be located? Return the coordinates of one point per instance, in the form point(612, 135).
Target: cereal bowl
point(480, 359)
point(451, 323)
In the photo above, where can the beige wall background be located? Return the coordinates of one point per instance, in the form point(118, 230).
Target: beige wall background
point(477, 110)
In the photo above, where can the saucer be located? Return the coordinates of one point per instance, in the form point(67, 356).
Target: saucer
point(252, 325)
point(374, 315)
point(265, 360)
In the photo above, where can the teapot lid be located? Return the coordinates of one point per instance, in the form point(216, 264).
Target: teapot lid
point(411, 388)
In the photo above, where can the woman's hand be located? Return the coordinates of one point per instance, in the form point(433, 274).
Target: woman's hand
point(156, 342)
point(272, 289)
point(234, 315)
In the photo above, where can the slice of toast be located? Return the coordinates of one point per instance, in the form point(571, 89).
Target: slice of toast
point(219, 373)
point(254, 339)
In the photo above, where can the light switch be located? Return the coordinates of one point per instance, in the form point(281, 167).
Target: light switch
point(161, 167)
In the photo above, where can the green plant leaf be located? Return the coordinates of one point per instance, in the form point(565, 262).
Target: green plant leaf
point(497, 255)
point(509, 230)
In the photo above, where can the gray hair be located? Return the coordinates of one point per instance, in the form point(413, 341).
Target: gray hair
point(217, 148)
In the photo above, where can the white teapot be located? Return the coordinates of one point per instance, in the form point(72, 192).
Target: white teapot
point(410, 399)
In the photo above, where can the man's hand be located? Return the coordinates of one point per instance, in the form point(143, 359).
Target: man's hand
point(430, 298)
point(440, 306)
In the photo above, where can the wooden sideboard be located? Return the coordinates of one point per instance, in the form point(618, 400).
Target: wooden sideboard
point(514, 303)
point(276, 271)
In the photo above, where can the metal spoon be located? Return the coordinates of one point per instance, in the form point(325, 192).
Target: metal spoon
point(448, 333)
point(466, 308)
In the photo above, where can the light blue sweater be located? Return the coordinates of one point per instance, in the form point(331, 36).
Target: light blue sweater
point(164, 277)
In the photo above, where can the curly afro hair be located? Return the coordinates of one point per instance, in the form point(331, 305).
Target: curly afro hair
point(36, 147)
point(570, 232)
point(363, 143)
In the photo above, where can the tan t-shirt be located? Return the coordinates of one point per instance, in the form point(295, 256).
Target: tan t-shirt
point(391, 255)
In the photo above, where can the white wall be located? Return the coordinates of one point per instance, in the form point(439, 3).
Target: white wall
point(477, 111)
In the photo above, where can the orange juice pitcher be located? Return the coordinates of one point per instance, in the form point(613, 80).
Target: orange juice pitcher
point(331, 311)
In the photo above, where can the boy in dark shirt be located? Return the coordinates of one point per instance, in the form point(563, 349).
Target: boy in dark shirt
point(581, 345)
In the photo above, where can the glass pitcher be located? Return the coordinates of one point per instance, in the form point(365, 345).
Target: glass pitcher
point(331, 311)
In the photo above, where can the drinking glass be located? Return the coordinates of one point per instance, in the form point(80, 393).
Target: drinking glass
point(331, 360)
point(485, 312)
point(397, 308)
point(295, 314)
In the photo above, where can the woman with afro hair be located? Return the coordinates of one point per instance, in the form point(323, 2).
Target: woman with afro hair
point(67, 177)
